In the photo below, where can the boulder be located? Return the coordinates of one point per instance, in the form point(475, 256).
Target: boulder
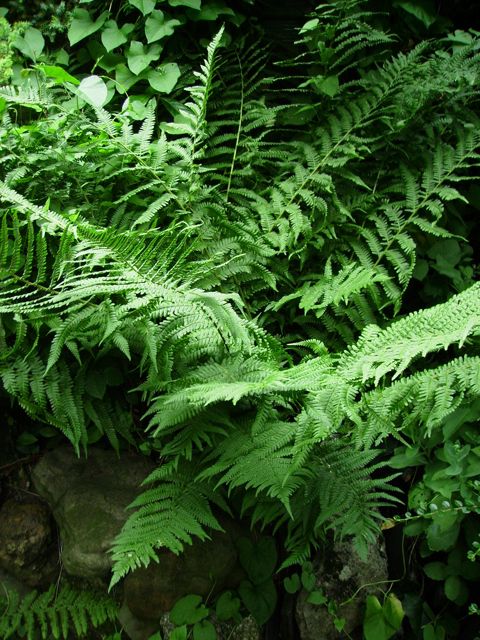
point(204, 568)
point(88, 497)
point(27, 548)
point(340, 573)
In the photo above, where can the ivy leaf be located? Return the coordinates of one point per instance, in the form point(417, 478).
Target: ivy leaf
point(139, 56)
point(212, 11)
point(165, 77)
point(57, 74)
point(260, 599)
point(188, 610)
point(179, 633)
point(317, 597)
point(83, 26)
point(258, 559)
point(393, 611)
point(436, 570)
point(125, 78)
point(328, 86)
point(374, 625)
point(423, 10)
point(227, 606)
point(30, 44)
point(112, 36)
point(456, 590)
point(157, 27)
point(292, 583)
point(145, 6)
point(204, 631)
point(193, 4)
point(93, 90)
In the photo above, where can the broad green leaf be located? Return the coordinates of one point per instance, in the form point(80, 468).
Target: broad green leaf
point(292, 583)
point(157, 26)
point(164, 78)
point(259, 599)
point(339, 623)
point(393, 611)
point(227, 606)
point(310, 25)
point(317, 597)
point(258, 559)
point(83, 26)
point(179, 633)
point(308, 578)
point(456, 590)
point(375, 628)
point(93, 90)
point(58, 74)
point(329, 85)
point(139, 56)
point(204, 631)
point(192, 4)
point(212, 11)
point(443, 532)
point(145, 6)
point(407, 457)
point(61, 57)
point(423, 10)
point(436, 570)
point(125, 78)
point(112, 36)
point(137, 107)
point(30, 44)
point(188, 610)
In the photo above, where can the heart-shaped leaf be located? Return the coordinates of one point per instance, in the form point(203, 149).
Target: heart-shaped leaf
point(260, 599)
point(158, 26)
point(30, 44)
point(112, 36)
point(57, 74)
point(258, 559)
point(83, 26)
point(204, 631)
point(93, 90)
point(145, 6)
point(192, 4)
point(188, 610)
point(139, 56)
point(292, 583)
point(164, 78)
point(227, 606)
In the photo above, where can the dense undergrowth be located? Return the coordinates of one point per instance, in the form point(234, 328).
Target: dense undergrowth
point(254, 260)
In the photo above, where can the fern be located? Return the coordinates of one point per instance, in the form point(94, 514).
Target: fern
point(54, 615)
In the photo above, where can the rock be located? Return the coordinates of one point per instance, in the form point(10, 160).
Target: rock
point(27, 548)
point(88, 497)
point(340, 573)
point(204, 568)
point(247, 629)
point(10, 583)
point(135, 628)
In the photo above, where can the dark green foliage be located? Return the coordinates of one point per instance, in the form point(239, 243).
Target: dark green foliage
point(247, 266)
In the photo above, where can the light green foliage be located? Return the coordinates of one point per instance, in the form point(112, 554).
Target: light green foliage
point(54, 615)
point(244, 266)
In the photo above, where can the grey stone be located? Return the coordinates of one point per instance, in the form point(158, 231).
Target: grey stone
point(340, 573)
point(88, 497)
point(135, 628)
point(247, 629)
point(27, 549)
point(204, 568)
